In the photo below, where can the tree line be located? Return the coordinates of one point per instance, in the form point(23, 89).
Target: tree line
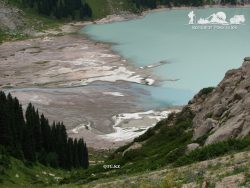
point(33, 139)
point(73, 9)
point(142, 4)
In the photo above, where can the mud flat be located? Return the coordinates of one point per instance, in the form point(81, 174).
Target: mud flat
point(78, 81)
point(63, 61)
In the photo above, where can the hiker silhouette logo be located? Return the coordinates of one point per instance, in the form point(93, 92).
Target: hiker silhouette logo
point(218, 18)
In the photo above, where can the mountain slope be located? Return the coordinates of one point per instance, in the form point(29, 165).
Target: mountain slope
point(228, 171)
point(173, 142)
point(17, 23)
point(15, 173)
point(225, 112)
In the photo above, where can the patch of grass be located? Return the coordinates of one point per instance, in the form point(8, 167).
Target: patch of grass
point(102, 8)
point(31, 21)
point(201, 140)
point(15, 173)
point(206, 91)
point(40, 22)
point(214, 150)
point(11, 36)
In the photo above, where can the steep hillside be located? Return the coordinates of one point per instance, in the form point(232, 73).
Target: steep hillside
point(214, 123)
point(102, 8)
point(16, 173)
point(230, 171)
point(225, 112)
point(16, 23)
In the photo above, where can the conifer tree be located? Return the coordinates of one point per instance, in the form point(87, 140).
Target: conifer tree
point(33, 139)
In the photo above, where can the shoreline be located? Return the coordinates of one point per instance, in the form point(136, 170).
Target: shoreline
point(66, 64)
point(75, 26)
point(126, 17)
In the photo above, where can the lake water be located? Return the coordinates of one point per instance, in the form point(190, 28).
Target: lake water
point(198, 58)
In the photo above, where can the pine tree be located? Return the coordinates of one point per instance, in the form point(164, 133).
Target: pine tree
point(86, 157)
point(46, 133)
point(75, 154)
point(70, 146)
point(34, 139)
point(5, 131)
point(29, 147)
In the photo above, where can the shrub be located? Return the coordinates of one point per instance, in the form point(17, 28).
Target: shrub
point(4, 159)
point(214, 150)
point(206, 91)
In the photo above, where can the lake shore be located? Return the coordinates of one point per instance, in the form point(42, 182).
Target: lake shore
point(61, 62)
point(54, 69)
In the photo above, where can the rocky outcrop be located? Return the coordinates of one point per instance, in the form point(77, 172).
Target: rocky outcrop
point(134, 146)
point(11, 18)
point(191, 147)
point(224, 112)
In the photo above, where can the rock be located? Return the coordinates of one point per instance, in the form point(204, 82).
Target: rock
point(11, 19)
point(189, 185)
point(246, 66)
point(247, 59)
point(241, 93)
point(228, 105)
point(191, 147)
point(208, 125)
point(219, 110)
point(135, 145)
point(205, 184)
point(230, 129)
point(233, 181)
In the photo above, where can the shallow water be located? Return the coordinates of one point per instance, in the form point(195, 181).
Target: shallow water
point(198, 58)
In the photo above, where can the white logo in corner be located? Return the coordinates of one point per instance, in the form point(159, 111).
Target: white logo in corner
point(219, 20)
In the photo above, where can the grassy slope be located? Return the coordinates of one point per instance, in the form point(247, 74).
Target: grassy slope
point(231, 170)
point(102, 8)
point(20, 175)
point(228, 171)
point(31, 20)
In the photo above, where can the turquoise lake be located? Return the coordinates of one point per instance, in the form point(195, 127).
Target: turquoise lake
point(198, 58)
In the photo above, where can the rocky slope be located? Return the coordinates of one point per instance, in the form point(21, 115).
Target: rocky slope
point(231, 171)
point(225, 112)
point(208, 127)
point(216, 114)
point(11, 18)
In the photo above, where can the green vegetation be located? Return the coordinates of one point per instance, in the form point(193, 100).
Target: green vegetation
point(214, 150)
point(206, 91)
point(31, 22)
point(43, 14)
point(41, 62)
point(7, 36)
point(73, 9)
point(19, 174)
point(102, 8)
point(161, 146)
point(32, 139)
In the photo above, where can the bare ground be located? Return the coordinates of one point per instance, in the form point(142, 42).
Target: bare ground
point(51, 71)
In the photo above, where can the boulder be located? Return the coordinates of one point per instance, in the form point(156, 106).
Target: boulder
point(229, 104)
point(191, 147)
point(247, 59)
point(219, 109)
point(134, 146)
point(206, 127)
point(231, 129)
